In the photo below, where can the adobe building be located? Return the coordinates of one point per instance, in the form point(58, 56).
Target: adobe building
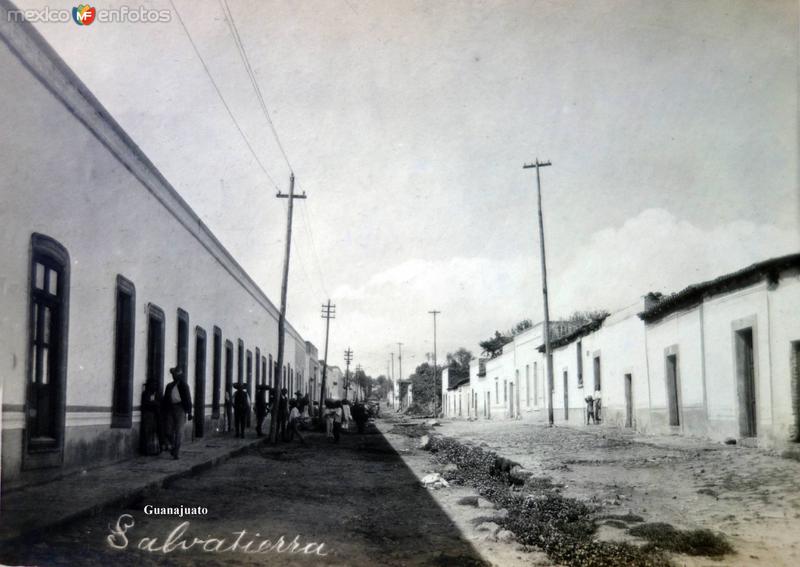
point(108, 279)
point(724, 355)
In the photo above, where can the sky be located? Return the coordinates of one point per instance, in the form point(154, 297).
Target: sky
point(671, 127)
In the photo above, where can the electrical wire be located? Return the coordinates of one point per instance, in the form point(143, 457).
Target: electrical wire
point(222, 98)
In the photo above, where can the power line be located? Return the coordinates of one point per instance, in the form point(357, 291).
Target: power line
point(246, 60)
point(238, 127)
point(221, 98)
point(237, 38)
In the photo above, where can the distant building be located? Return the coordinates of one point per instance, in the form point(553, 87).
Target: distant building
point(719, 359)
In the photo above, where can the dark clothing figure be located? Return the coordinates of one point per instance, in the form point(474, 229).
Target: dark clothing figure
point(283, 414)
point(177, 407)
point(261, 407)
point(360, 416)
point(150, 427)
point(589, 410)
point(241, 408)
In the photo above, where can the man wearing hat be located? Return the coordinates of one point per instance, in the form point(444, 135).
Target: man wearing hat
point(241, 407)
point(177, 403)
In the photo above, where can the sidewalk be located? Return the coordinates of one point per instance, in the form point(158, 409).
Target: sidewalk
point(41, 507)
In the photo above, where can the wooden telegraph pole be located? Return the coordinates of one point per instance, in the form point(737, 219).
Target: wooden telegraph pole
point(433, 401)
point(328, 313)
point(400, 370)
point(547, 352)
point(348, 358)
point(273, 430)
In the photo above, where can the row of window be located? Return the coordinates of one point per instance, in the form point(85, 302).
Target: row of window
point(48, 344)
point(122, 409)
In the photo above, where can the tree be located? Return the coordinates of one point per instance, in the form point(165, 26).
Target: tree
point(580, 318)
point(493, 346)
point(382, 387)
point(520, 327)
point(363, 383)
point(458, 364)
point(426, 386)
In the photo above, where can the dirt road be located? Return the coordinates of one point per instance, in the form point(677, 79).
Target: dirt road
point(358, 498)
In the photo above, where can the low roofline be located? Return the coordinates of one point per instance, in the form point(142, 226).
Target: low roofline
point(578, 333)
point(46, 65)
point(459, 383)
point(694, 294)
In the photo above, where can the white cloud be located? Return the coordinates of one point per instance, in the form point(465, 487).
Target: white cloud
point(656, 251)
point(651, 251)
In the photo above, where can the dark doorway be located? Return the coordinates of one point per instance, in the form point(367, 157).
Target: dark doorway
point(217, 373)
point(250, 374)
point(566, 395)
point(628, 400)
point(183, 342)
point(228, 385)
point(200, 383)
point(672, 390)
point(122, 408)
point(155, 347)
point(597, 377)
point(46, 400)
point(796, 386)
point(746, 382)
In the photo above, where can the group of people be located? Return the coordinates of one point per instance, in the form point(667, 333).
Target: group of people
point(340, 413)
point(164, 415)
point(292, 413)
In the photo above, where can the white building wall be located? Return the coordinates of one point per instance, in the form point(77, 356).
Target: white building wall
point(783, 304)
point(529, 374)
point(705, 335)
point(680, 333)
point(81, 181)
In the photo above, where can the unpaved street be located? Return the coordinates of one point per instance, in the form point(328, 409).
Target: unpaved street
point(750, 496)
point(359, 498)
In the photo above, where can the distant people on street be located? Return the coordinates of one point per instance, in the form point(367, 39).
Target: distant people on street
point(347, 416)
point(330, 411)
point(241, 408)
point(360, 416)
point(177, 407)
point(151, 420)
point(597, 406)
point(294, 422)
point(304, 406)
point(283, 413)
point(261, 407)
point(589, 409)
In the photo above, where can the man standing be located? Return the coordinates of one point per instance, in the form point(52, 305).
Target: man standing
point(241, 407)
point(283, 413)
point(177, 403)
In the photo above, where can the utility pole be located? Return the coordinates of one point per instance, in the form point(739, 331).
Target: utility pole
point(358, 387)
point(433, 401)
point(328, 313)
point(400, 377)
point(348, 358)
point(547, 352)
point(273, 433)
point(394, 398)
